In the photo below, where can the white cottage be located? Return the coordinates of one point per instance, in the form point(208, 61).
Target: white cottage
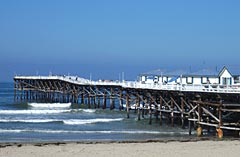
point(204, 76)
point(225, 77)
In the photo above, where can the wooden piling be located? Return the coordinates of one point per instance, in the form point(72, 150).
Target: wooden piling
point(112, 103)
point(182, 111)
point(127, 104)
point(104, 101)
point(161, 102)
point(94, 101)
point(15, 88)
point(219, 130)
point(138, 108)
point(121, 101)
point(98, 101)
point(150, 111)
point(172, 113)
point(189, 126)
point(199, 129)
point(143, 109)
point(89, 102)
point(82, 98)
point(21, 94)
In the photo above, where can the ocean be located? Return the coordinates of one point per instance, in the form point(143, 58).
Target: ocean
point(23, 122)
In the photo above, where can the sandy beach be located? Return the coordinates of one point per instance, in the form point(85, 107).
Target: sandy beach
point(122, 149)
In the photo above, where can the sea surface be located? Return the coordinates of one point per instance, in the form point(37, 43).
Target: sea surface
point(21, 122)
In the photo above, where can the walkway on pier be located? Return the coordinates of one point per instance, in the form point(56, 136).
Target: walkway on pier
point(138, 85)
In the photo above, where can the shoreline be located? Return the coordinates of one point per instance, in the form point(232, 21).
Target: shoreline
point(132, 148)
point(57, 143)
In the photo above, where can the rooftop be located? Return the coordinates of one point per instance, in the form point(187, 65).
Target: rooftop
point(210, 71)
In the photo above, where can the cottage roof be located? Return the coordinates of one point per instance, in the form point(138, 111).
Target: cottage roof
point(178, 73)
point(209, 72)
point(163, 72)
point(156, 72)
point(205, 72)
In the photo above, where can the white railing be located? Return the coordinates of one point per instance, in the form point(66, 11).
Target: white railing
point(139, 85)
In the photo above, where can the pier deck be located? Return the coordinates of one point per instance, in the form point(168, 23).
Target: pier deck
point(139, 85)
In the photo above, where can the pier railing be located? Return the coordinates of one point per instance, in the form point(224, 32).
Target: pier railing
point(135, 84)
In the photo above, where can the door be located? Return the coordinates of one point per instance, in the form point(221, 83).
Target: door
point(226, 81)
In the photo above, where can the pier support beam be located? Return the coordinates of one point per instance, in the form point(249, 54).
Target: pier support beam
point(94, 100)
point(172, 112)
point(15, 88)
point(199, 129)
point(161, 102)
point(127, 104)
point(104, 101)
point(138, 108)
point(82, 100)
point(121, 101)
point(189, 126)
point(182, 110)
point(150, 111)
point(89, 102)
point(98, 101)
point(143, 110)
point(219, 130)
point(112, 103)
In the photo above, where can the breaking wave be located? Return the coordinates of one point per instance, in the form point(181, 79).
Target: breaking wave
point(50, 105)
point(67, 122)
point(89, 121)
point(88, 132)
point(45, 111)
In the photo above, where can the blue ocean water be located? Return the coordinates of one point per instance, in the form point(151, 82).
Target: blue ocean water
point(21, 122)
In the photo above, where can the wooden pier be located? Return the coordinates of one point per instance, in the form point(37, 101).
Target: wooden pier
point(196, 107)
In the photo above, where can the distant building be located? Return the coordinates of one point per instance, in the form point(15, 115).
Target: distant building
point(204, 76)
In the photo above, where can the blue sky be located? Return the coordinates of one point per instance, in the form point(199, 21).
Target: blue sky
point(106, 38)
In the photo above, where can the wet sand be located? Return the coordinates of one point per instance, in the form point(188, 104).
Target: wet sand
point(228, 148)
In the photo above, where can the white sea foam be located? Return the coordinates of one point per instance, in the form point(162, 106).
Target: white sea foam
point(89, 132)
point(32, 111)
point(89, 121)
point(28, 120)
point(83, 110)
point(11, 131)
point(68, 121)
point(45, 111)
point(50, 105)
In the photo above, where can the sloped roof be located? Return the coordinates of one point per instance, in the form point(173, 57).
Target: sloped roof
point(214, 71)
point(205, 72)
point(164, 72)
point(178, 73)
point(156, 72)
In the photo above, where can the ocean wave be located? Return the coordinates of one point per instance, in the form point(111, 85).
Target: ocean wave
point(32, 111)
point(89, 132)
point(67, 122)
point(45, 111)
point(28, 120)
point(50, 105)
point(83, 110)
point(89, 121)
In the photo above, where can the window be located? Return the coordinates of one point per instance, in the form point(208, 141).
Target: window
point(226, 81)
point(190, 80)
point(204, 80)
